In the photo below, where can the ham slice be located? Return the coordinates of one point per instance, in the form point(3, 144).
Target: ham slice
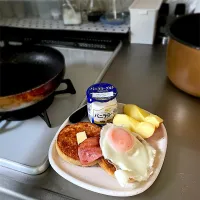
point(89, 150)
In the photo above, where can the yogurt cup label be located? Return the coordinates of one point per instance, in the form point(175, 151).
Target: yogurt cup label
point(102, 95)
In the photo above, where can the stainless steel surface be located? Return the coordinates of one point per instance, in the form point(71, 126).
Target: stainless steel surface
point(139, 74)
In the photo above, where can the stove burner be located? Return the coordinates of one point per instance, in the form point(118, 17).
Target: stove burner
point(38, 109)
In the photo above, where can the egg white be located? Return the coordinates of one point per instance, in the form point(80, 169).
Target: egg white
point(137, 163)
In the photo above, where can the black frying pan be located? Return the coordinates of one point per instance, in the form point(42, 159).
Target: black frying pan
point(28, 74)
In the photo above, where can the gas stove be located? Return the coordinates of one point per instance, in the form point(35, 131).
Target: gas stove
point(24, 142)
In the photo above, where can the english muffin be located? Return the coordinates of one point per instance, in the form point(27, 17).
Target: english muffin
point(66, 144)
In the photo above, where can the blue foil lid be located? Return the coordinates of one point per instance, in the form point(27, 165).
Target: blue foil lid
point(101, 92)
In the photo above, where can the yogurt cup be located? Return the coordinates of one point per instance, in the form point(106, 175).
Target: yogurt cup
point(101, 103)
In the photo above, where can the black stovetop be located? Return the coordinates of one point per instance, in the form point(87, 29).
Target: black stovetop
point(74, 39)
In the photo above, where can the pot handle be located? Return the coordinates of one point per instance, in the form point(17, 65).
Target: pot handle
point(165, 40)
point(70, 88)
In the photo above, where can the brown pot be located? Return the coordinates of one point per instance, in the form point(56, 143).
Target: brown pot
point(183, 54)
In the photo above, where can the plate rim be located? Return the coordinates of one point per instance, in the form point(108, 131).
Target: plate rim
point(97, 189)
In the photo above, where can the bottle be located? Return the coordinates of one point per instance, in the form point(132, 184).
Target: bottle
point(95, 10)
point(71, 12)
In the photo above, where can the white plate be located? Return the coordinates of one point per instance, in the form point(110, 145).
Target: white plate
point(95, 179)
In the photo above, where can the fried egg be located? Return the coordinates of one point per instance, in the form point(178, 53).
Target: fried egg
point(130, 153)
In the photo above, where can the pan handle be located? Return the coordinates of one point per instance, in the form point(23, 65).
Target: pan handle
point(70, 88)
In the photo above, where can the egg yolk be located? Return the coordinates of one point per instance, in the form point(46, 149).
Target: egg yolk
point(120, 140)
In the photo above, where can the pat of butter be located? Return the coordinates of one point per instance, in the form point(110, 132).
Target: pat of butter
point(81, 136)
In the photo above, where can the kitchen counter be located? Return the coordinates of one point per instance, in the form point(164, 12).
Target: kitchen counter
point(139, 74)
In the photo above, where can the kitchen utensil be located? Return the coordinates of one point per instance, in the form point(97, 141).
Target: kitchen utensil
point(78, 115)
point(28, 75)
point(103, 183)
point(183, 53)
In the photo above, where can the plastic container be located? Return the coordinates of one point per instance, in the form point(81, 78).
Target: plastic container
point(143, 17)
point(101, 103)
